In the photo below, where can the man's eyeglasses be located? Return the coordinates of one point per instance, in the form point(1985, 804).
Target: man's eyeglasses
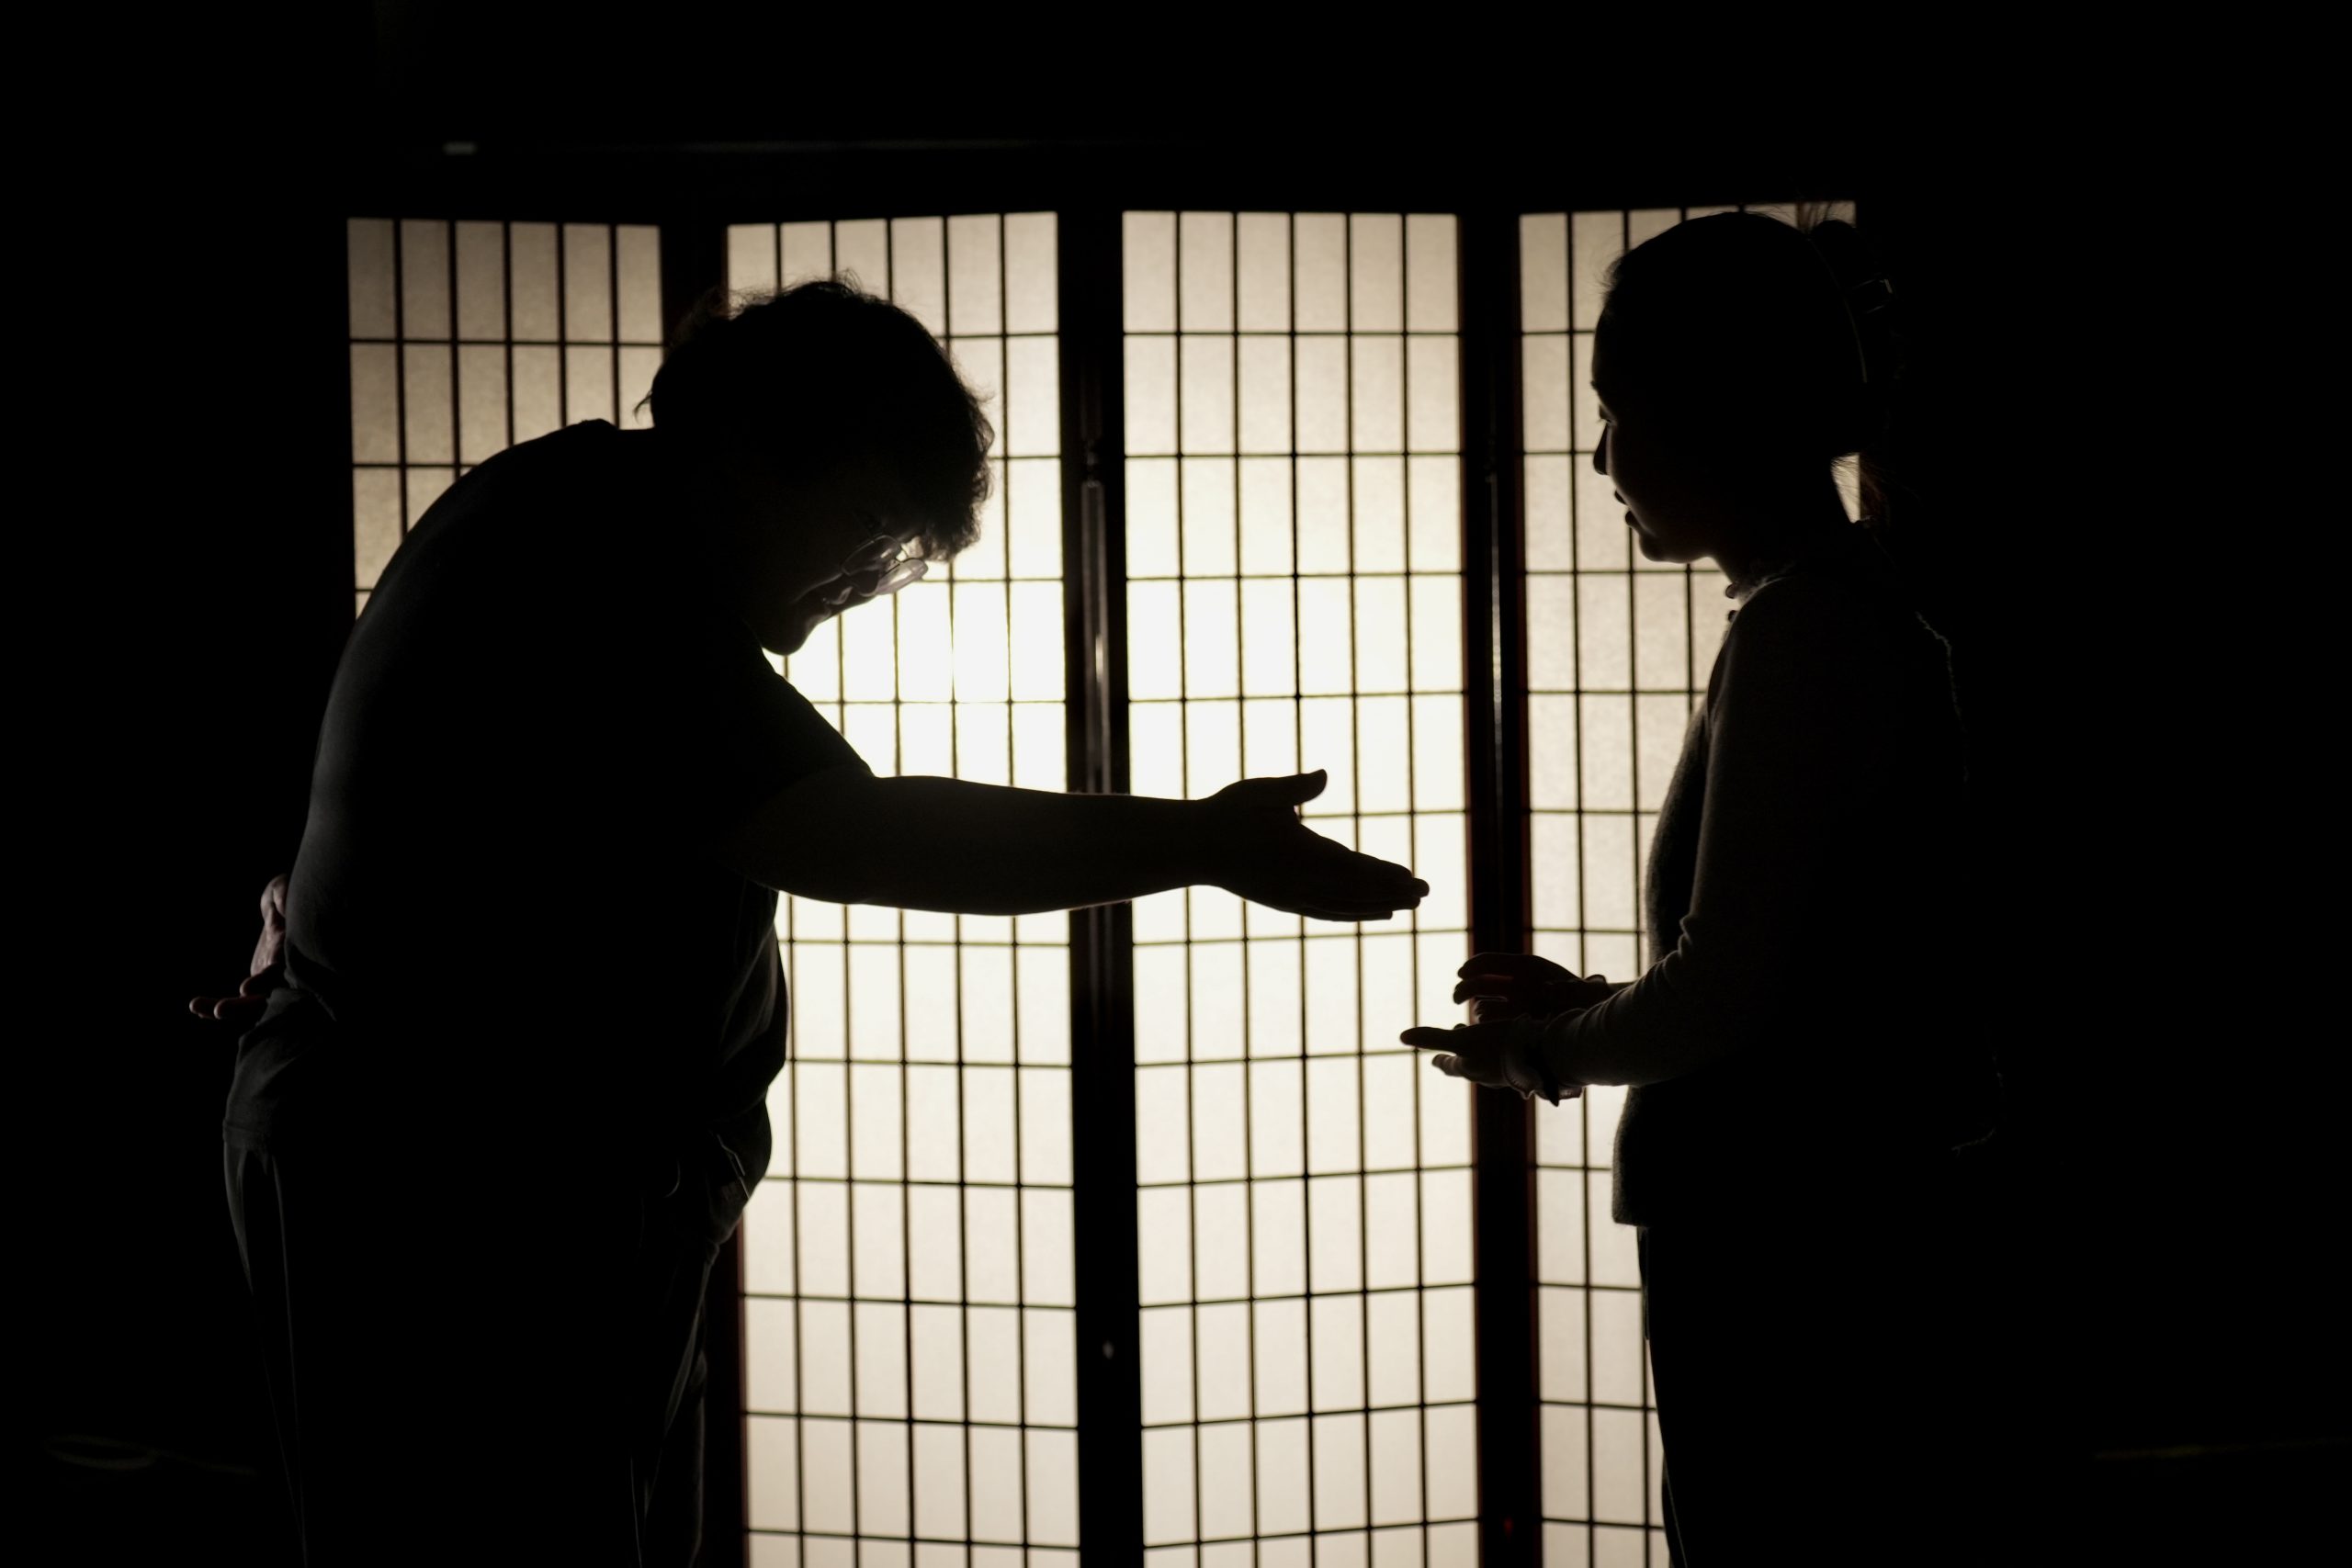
point(887, 556)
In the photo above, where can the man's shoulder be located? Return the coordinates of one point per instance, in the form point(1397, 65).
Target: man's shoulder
point(540, 507)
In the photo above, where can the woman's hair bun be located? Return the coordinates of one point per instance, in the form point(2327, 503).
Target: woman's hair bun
point(1868, 298)
point(1762, 332)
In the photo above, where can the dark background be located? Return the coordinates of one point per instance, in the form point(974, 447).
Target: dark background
point(2090, 455)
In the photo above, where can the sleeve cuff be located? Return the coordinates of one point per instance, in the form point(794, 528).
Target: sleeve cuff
point(1526, 1060)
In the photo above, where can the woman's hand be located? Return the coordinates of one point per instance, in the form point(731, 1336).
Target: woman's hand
point(1269, 856)
point(266, 973)
point(1484, 1053)
point(1499, 986)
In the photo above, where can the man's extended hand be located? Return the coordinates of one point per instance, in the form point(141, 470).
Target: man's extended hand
point(266, 972)
point(1272, 857)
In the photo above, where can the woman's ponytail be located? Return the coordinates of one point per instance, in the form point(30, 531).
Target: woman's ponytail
point(1867, 302)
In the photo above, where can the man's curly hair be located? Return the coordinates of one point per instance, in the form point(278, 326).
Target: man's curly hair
point(825, 369)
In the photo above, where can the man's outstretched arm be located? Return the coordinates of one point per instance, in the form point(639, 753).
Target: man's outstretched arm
point(931, 843)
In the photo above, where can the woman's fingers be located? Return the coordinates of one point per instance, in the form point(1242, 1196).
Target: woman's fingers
point(1521, 994)
point(1504, 964)
point(1469, 1052)
point(1493, 985)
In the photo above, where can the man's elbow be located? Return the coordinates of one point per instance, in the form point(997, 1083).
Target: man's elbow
point(817, 839)
point(830, 885)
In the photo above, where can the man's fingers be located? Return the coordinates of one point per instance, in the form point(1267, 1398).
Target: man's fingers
point(1351, 913)
point(1398, 892)
point(1377, 903)
point(1367, 873)
point(1395, 889)
point(1392, 882)
point(1429, 1039)
point(1349, 904)
point(1291, 790)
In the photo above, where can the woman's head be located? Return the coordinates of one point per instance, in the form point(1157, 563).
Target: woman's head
point(821, 417)
point(1736, 362)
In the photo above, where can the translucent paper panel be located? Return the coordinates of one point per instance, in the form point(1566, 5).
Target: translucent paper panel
point(467, 338)
point(1618, 654)
point(911, 1261)
point(1295, 603)
point(1617, 648)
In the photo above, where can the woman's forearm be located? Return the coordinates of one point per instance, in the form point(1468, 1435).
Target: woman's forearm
point(1661, 1026)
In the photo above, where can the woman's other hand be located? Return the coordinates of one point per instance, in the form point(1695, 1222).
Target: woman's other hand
point(1500, 986)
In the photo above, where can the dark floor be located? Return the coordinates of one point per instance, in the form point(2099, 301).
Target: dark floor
point(2267, 1505)
point(102, 1502)
point(2256, 1505)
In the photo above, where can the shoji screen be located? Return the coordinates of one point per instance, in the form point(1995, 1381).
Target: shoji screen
point(909, 1354)
point(467, 338)
point(1294, 558)
point(1618, 652)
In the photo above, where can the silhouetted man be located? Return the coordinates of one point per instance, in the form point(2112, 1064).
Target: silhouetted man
point(489, 1133)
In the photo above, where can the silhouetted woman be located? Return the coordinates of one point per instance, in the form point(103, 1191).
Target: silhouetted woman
point(1800, 1049)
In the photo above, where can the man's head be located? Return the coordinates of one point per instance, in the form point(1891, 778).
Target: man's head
point(816, 421)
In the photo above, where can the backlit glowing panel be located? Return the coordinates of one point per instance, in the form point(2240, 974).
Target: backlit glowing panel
point(1293, 543)
point(1618, 653)
point(467, 338)
point(908, 1262)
